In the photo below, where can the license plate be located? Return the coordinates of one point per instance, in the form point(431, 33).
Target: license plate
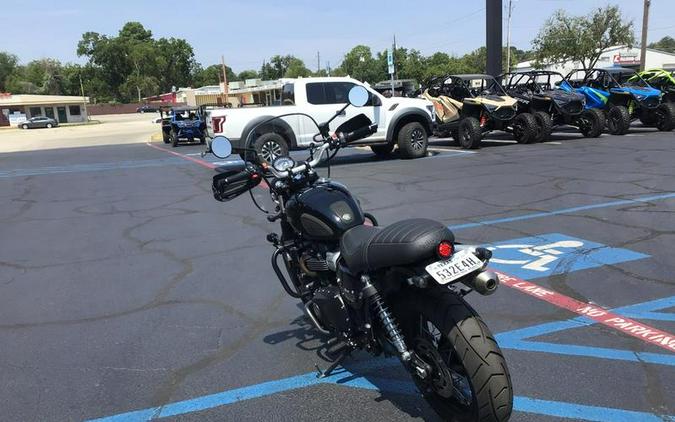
point(461, 264)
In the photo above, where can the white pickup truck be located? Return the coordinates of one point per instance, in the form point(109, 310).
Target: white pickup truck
point(403, 122)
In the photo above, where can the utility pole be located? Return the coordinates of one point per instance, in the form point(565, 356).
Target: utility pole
point(508, 39)
point(645, 25)
point(328, 68)
point(225, 87)
point(493, 36)
point(318, 62)
point(84, 99)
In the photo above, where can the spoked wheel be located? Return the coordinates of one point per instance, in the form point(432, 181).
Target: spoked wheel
point(467, 377)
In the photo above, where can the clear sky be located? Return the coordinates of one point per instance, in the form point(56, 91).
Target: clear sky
point(247, 32)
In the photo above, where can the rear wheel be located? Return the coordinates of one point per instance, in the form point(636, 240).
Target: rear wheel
point(268, 147)
point(544, 125)
point(382, 151)
point(525, 128)
point(618, 120)
point(49, 125)
point(591, 123)
point(413, 140)
point(665, 116)
point(469, 379)
point(469, 133)
point(174, 138)
point(24, 126)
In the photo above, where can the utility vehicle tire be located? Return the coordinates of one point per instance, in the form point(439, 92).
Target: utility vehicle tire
point(413, 140)
point(174, 138)
point(595, 122)
point(382, 151)
point(648, 119)
point(545, 125)
point(618, 120)
point(525, 128)
point(268, 146)
point(202, 139)
point(454, 134)
point(165, 137)
point(448, 335)
point(665, 117)
point(469, 133)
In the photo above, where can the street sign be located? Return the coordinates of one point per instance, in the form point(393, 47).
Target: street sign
point(390, 61)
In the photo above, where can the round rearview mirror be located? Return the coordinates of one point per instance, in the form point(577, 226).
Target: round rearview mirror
point(358, 96)
point(221, 147)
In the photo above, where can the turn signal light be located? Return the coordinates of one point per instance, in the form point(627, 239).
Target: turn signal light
point(445, 249)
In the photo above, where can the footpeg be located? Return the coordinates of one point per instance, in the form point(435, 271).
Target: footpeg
point(323, 374)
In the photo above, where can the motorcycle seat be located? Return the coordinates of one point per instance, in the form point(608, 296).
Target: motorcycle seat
point(365, 248)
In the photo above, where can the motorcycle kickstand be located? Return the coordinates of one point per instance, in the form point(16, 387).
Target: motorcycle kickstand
point(344, 352)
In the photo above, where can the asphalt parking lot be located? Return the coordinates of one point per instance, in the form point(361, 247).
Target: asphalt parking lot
point(128, 293)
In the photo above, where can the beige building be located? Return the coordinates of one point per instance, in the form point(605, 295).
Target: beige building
point(63, 108)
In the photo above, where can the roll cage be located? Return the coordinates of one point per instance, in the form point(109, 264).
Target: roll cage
point(460, 87)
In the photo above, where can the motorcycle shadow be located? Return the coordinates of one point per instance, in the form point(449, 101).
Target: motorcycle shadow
point(383, 375)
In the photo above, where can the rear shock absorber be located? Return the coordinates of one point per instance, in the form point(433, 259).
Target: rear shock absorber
point(387, 319)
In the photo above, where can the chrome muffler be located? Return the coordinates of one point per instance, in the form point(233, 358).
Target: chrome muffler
point(485, 282)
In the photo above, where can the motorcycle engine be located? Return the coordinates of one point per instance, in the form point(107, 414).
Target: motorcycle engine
point(330, 310)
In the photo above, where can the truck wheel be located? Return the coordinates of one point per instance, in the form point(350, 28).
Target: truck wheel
point(469, 133)
point(618, 120)
point(591, 123)
point(665, 117)
point(413, 140)
point(268, 147)
point(174, 138)
point(525, 128)
point(382, 151)
point(545, 125)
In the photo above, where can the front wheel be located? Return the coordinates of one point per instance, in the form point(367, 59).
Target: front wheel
point(525, 129)
point(591, 123)
point(413, 140)
point(618, 120)
point(665, 117)
point(469, 379)
point(544, 126)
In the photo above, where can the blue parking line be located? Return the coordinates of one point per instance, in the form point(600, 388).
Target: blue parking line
point(518, 339)
point(348, 379)
point(80, 168)
point(633, 201)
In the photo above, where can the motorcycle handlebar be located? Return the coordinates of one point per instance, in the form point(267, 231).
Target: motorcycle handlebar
point(357, 134)
point(239, 177)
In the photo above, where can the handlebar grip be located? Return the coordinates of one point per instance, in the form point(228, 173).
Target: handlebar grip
point(239, 177)
point(358, 134)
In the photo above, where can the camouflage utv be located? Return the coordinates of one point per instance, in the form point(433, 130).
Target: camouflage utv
point(470, 106)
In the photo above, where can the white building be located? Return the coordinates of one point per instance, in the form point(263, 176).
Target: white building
point(614, 56)
point(64, 108)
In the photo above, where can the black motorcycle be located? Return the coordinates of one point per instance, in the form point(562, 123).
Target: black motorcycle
point(397, 290)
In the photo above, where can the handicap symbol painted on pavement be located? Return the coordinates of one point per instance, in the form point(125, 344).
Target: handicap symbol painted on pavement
point(554, 253)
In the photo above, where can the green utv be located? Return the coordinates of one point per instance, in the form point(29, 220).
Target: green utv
point(470, 106)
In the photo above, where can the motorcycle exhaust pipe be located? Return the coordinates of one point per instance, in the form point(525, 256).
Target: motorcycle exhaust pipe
point(485, 282)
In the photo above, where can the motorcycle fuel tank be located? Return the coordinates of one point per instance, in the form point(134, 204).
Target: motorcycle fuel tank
point(324, 211)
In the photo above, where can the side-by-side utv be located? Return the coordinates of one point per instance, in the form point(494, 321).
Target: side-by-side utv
point(537, 94)
point(624, 96)
point(470, 106)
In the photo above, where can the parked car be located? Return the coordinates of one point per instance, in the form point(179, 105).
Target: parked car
point(402, 122)
point(471, 106)
point(537, 94)
point(182, 123)
point(39, 121)
point(147, 108)
point(624, 96)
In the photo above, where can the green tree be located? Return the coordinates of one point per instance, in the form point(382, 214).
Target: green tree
point(296, 68)
point(8, 65)
point(283, 67)
point(212, 75)
point(247, 74)
point(581, 38)
point(360, 64)
point(664, 44)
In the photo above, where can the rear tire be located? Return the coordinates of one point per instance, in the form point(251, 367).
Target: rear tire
point(593, 124)
point(49, 126)
point(451, 337)
point(174, 138)
point(525, 128)
point(413, 140)
point(469, 133)
point(24, 126)
point(544, 124)
point(382, 151)
point(268, 147)
point(618, 120)
point(665, 117)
